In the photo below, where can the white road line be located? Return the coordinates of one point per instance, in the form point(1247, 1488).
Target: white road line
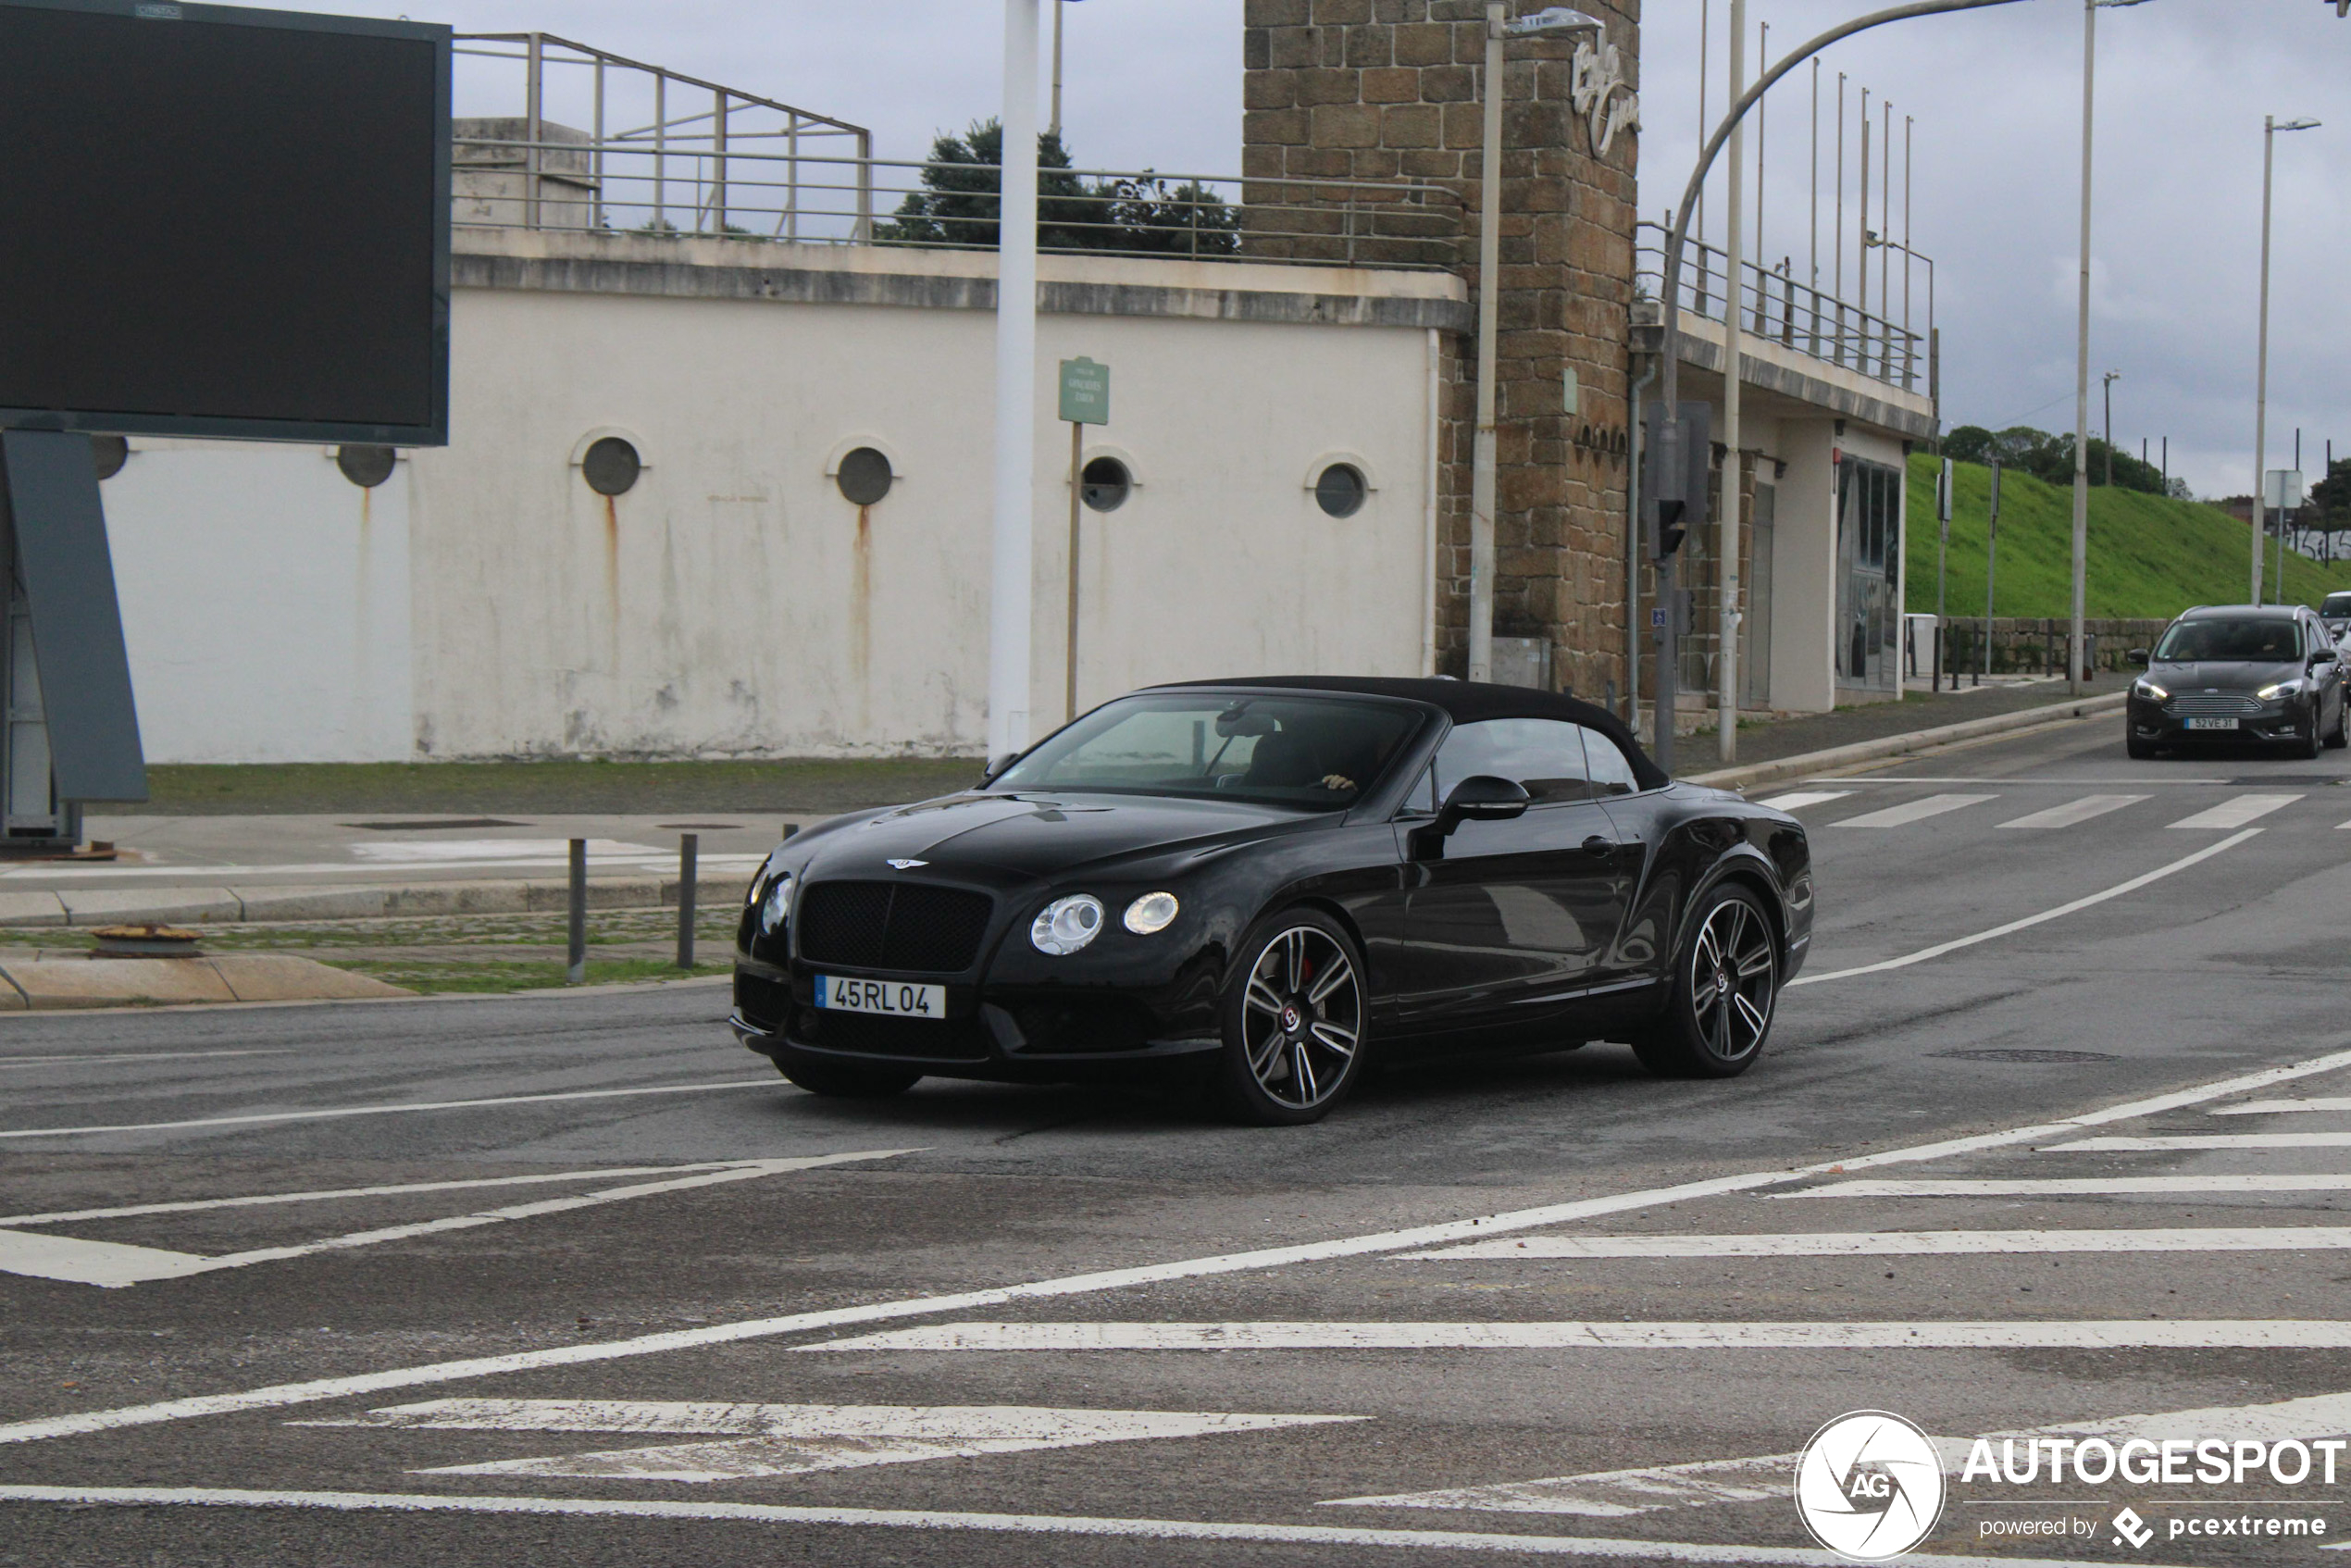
point(1617, 1493)
point(2072, 811)
point(1802, 798)
point(389, 1109)
point(770, 1439)
point(1923, 1335)
point(102, 1057)
point(1939, 948)
point(2070, 1187)
point(2161, 1141)
point(278, 1395)
point(194, 1205)
point(2236, 813)
point(104, 1263)
point(1912, 811)
point(1908, 1243)
point(997, 1523)
point(2276, 1107)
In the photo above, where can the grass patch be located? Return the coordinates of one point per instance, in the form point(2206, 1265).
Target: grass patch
point(2149, 558)
point(557, 787)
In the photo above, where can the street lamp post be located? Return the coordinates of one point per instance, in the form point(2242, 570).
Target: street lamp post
point(2111, 377)
point(1011, 561)
point(1500, 28)
point(1671, 491)
point(2270, 128)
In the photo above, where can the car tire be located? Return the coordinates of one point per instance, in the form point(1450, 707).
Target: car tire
point(1725, 990)
point(846, 1080)
point(2306, 745)
point(1293, 1017)
point(2341, 734)
point(2142, 750)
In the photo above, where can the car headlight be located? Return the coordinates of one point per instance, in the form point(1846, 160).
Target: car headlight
point(776, 904)
point(1067, 924)
point(1153, 912)
point(2149, 690)
point(2282, 689)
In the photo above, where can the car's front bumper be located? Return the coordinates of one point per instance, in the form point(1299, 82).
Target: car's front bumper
point(2277, 720)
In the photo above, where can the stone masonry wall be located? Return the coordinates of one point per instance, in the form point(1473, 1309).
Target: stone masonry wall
point(1389, 90)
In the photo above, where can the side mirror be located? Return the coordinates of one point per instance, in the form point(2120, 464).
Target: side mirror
point(1480, 798)
point(2138, 657)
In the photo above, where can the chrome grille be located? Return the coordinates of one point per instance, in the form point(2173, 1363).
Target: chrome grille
point(2221, 704)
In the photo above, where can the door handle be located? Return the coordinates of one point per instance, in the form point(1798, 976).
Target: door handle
point(1598, 845)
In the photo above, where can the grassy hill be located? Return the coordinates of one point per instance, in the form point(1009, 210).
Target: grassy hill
point(2149, 558)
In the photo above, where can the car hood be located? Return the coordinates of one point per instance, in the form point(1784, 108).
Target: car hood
point(2219, 675)
point(1039, 835)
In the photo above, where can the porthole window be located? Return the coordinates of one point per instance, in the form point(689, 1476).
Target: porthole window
point(108, 453)
point(1341, 490)
point(610, 465)
point(365, 466)
point(864, 476)
point(1104, 484)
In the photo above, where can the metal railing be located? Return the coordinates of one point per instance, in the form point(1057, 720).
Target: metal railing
point(1773, 305)
point(566, 180)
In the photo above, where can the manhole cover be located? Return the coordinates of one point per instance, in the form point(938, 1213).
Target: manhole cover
point(2024, 1055)
point(429, 824)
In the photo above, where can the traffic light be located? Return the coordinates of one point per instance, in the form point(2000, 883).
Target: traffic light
point(1675, 465)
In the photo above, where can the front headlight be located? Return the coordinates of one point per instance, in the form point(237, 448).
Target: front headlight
point(1067, 924)
point(2149, 690)
point(1151, 912)
point(2282, 689)
point(776, 904)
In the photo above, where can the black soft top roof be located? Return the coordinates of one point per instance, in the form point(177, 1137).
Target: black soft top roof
point(1467, 702)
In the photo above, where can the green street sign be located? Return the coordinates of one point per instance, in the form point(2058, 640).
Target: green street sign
point(1084, 391)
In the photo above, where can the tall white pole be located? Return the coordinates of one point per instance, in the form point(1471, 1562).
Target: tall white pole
point(2261, 362)
point(1012, 563)
point(2082, 355)
point(1489, 281)
point(1727, 573)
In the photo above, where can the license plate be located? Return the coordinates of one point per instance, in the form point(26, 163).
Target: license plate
point(890, 998)
point(2212, 724)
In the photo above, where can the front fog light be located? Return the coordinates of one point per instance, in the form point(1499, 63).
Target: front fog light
point(779, 903)
point(1067, 924)
point(1153, 912)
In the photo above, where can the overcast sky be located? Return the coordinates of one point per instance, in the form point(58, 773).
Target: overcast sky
point(1995, 94)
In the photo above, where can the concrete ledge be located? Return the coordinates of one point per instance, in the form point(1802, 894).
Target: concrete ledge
point(217, 906)
point(1773, 772)
point(52, 982)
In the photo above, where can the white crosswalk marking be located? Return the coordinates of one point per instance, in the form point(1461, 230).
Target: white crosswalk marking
point(766, 1440)
point(1801, 798)
point(1912, 811)
point(2072, 811)
point(2271, 1107)
point(1930, 1334)
point(2236, 813)
point(2072, 1187)
point(1907, 1243)
point(2165, 1142)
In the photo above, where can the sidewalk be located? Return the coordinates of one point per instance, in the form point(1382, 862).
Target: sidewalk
point(1768, 740)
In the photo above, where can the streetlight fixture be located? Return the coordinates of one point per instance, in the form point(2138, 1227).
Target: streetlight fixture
point(2270, 128)
point(1671, 491)
point(1500, 29)
point(2090, 9)
point(2111, 377)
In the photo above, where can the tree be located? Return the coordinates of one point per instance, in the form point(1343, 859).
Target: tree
point(2049, 459)
point(960, 202)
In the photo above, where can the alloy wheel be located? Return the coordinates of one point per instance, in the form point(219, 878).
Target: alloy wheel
point(1733, 977)
point(1301, 1017)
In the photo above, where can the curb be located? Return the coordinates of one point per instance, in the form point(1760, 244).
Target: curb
point(42, 982)
point(213, 906)
point(1783, 769)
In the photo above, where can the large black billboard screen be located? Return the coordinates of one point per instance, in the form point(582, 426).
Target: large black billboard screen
point(222, 221)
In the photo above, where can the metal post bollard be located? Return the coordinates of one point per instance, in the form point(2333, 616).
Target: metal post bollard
point(576, 960)
point(689, 847)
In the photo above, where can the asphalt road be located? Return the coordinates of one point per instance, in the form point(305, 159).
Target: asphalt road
point(644, 1304)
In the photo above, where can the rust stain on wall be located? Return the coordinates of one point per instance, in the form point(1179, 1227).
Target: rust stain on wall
point(612, 567)
point(861, 608)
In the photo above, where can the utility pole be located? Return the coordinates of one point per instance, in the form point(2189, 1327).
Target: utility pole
point(1012, 563)
point(1991, 567)
point(1726, 567)
point(2111, 377)
point(1053, 129)
point(2270, 128)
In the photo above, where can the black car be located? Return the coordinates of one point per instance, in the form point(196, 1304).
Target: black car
point(2237, 673)
point(1265, 881)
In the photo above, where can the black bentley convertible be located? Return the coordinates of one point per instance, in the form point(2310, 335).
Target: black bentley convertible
point(1271, 881)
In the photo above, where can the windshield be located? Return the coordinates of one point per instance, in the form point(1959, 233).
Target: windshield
point(2269, 640)
point(1318, 753)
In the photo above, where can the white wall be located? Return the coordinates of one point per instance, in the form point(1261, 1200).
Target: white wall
point(265, 602)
